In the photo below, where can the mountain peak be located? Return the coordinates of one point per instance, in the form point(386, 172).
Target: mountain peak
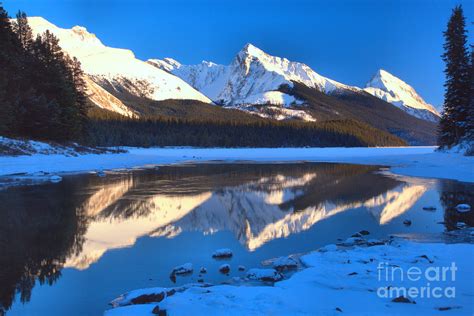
point(392, 89)
point(251, 50)
point(385, 76)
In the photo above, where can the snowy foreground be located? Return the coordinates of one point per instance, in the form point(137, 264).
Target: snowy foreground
point(411, 161)
point(371, 278)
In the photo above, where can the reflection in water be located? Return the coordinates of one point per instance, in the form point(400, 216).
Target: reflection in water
point(452, 194)
point(38, 232)
point(74, 223)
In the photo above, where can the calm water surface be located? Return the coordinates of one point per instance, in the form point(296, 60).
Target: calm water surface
point(71, 247)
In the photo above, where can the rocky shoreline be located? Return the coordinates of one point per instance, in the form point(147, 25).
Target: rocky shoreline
point(335, 278)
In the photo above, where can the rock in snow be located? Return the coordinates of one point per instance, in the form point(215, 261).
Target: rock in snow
point(285, 263)
point(225, 268)
point(324, 287)
point(266, 275)
point(183, 269)
point(222, 253)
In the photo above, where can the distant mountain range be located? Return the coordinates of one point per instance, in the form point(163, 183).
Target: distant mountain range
point(254, 82)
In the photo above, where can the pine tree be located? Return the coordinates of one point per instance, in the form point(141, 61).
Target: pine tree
point(470, 125)
point(23, 30)
point(80, 91)
point(10, 74)
point(453, 123)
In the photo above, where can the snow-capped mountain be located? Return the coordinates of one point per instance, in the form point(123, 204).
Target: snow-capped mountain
point(253, 77)
point(391, 89)
point(254, 82)
point(117, 68)
point(104, 100)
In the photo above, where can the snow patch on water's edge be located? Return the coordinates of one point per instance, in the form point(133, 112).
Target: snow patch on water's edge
point(333, 280)
point(423, 162)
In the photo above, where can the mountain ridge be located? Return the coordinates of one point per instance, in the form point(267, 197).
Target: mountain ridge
point(254, 82)
point(253, 73)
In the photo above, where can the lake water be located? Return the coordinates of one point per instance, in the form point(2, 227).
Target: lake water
point(69, 248)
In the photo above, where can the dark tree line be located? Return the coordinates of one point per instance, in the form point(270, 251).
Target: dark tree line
point(457, 121)
point(42, 90)
point(114, 131)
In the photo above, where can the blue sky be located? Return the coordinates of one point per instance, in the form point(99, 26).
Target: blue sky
point(344, 40)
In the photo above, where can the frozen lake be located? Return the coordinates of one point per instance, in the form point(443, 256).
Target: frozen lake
point(69, 248)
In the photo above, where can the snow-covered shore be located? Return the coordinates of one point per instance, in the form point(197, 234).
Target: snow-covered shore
point(410, 161)
point(366, 279)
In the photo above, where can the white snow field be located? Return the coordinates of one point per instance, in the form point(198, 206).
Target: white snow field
point(117, 67)
point(347, 281)
point(410, 161)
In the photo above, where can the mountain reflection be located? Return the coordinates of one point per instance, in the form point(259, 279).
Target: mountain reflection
point(48, 227)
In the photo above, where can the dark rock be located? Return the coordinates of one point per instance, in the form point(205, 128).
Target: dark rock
point(157, 311)
point(285, 263)
point(356, 235)
point(364, 232)
point(265, 275)
point(160, 312)
point(224, 269)
point(375, 242)
point(338, 309)
point(353, 273)
point(407, 222)
point(447, 308)
point(403, 299)
point(224, 253)
point(426, 257)
point(149, 298)
point(201, 280)
point(429, 208)
point(241, 268)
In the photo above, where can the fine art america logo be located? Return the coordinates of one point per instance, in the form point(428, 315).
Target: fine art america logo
point(415, 282)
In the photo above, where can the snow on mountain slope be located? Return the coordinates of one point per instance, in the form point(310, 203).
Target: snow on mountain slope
point(251, 78)
point(117, 67)
point(391, 89)
point(103, 99)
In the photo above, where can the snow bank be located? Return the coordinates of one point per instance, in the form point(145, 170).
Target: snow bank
point(348, 280)
point(410, 161)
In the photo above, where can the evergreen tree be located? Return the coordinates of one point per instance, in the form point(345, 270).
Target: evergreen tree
point(23, 30)
point(470, 124)
point(10, 74)
point(453, 123)
point(80, 90)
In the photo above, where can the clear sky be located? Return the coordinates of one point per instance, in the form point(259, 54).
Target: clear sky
point(343, 40)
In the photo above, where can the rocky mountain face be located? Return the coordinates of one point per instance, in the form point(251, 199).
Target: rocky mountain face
point(389, 88)
point(255, 83)
point(117, 69)
point(255, 77)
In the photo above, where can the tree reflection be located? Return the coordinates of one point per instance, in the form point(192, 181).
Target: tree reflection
point(452, 194)
point(39, 229)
